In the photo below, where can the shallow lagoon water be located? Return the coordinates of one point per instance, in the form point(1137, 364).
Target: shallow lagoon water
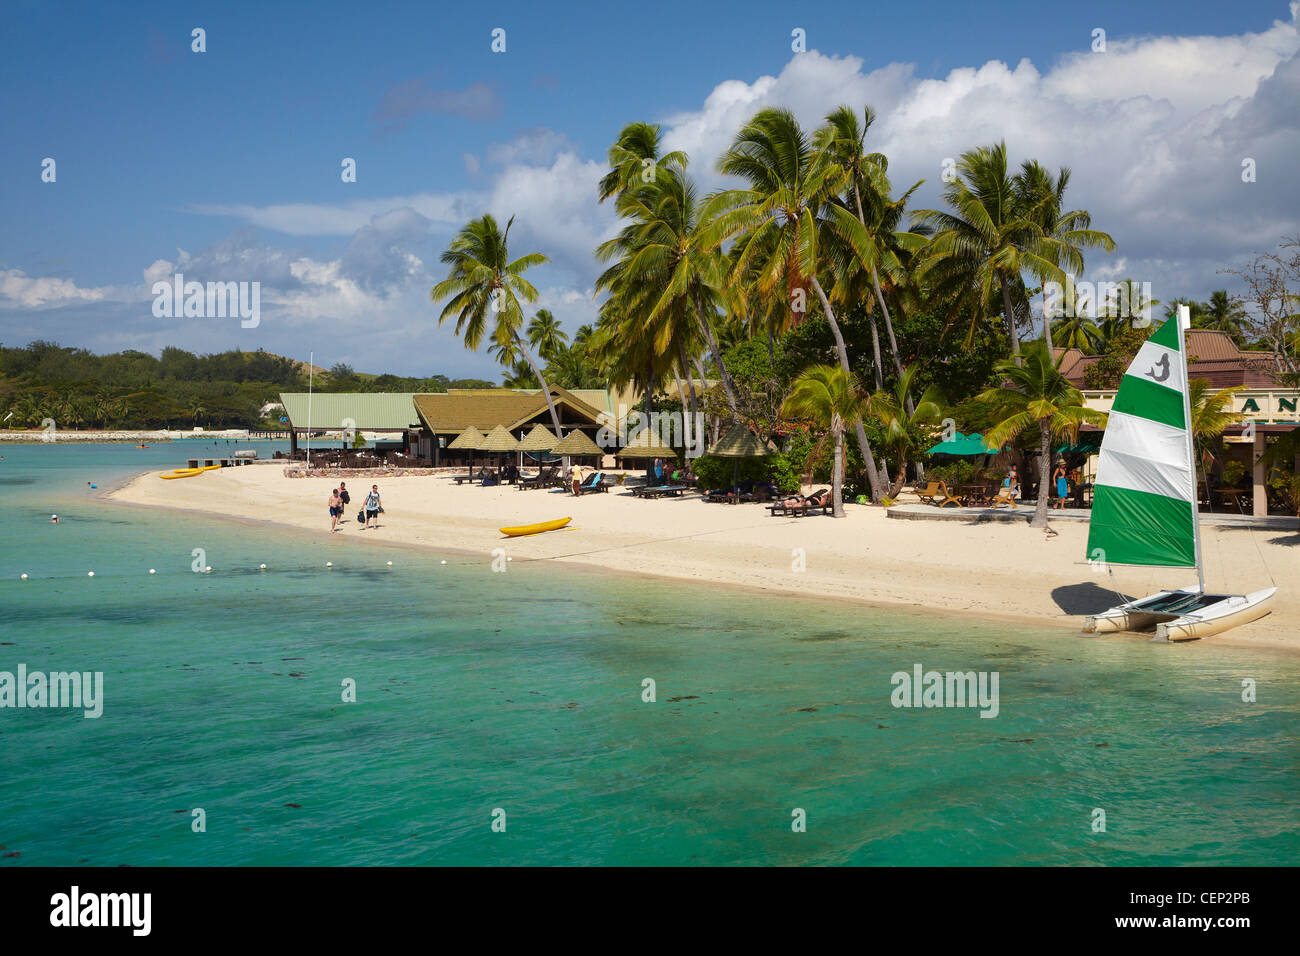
point(523, 691)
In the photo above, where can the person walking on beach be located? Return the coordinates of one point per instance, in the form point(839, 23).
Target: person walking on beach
point(373, 507)
point(336, 509)
point(344, 498)
point(1062, 483)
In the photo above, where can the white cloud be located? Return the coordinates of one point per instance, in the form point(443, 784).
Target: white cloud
point(19, 290)
point(1155, 131)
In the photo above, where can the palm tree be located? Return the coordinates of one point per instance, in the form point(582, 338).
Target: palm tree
point(666, 275)
point(831, 398)
point(842, 140)
point(1223, 313)
point(633, 159)
point(1043, 198)
point(1211, 414)
point(195, 409)
point(1036, 393)
point(999, 229)
point(901, 426)
point(780, 221)
point(545, 335)
point(484, 282)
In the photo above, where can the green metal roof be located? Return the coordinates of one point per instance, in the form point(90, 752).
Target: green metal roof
point(367, 411)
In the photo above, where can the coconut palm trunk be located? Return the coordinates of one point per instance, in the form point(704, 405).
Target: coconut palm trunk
point(532, 364)
point(1010, 313)
point(837, 472)
point(868, 459)
point(728, 386)
point(1044, 473)
point(884, 311)
point(690, 386)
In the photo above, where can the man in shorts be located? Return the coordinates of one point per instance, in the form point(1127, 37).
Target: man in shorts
point(336, 509)
point(373, 507)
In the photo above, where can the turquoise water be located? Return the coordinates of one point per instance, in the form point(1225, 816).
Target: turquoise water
point(522, 691)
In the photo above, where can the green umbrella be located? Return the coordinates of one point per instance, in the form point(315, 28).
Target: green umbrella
point(959, 444)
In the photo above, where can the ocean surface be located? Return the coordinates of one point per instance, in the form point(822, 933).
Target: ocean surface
point(517, 697)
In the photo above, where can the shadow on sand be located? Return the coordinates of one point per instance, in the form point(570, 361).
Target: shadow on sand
point(1086, 598)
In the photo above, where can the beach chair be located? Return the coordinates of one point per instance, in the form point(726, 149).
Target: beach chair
point(593, 483)
point(543, 479)
point(1003, 497)
point(931, 491)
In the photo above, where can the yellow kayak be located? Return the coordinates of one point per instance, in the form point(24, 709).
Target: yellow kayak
point(187, 472)
point(538, 528)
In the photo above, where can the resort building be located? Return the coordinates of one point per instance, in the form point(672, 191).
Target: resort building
point(1268, 408)
point(388, 417)
point(444, 415)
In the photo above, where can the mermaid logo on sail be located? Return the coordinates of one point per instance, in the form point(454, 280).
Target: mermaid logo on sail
point(953, 689)
point(73, 689)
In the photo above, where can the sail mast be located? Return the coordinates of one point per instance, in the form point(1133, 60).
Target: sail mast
point(1184, 323)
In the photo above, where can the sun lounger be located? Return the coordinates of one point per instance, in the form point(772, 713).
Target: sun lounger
point(664, 491)
point(804, 505)
point(593, 483)
point(543, 479)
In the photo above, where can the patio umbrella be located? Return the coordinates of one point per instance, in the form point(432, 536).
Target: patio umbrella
point(499, 441)
point(740, 443)
point(539, 439)
point(959, 444)
point(471, 439)
point(577, 444)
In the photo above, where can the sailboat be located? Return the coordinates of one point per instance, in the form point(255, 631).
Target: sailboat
point(1144, 500)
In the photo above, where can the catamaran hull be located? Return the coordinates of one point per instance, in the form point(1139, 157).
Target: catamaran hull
point(1233, 611)
point(1229, 611)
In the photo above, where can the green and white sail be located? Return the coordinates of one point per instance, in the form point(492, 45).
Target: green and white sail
point(1144, 499)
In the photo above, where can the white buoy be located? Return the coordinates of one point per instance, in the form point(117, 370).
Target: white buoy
point(509, 559)
point(152, 571)
point(390, 564)
point(444, 562)
point(24, 577)
point(90, 574)
point(329, 564)
point(207, 569)
point(263, 567)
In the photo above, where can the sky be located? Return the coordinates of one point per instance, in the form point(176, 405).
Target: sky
point(227, 164)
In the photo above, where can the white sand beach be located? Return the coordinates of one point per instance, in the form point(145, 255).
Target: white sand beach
point(995, 570)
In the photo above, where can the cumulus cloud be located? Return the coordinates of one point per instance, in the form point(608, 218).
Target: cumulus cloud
point(19, 290)
point(1155, 130)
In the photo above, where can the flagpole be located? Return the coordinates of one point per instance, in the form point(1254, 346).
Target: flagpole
point(1184, 323)
point(311, 361)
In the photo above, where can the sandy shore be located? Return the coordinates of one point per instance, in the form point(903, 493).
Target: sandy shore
point(1005, 571)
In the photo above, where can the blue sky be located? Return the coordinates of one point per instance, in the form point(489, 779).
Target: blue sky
point(225, 164)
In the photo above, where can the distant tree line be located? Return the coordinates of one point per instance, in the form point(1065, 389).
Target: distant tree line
point(176, 389)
